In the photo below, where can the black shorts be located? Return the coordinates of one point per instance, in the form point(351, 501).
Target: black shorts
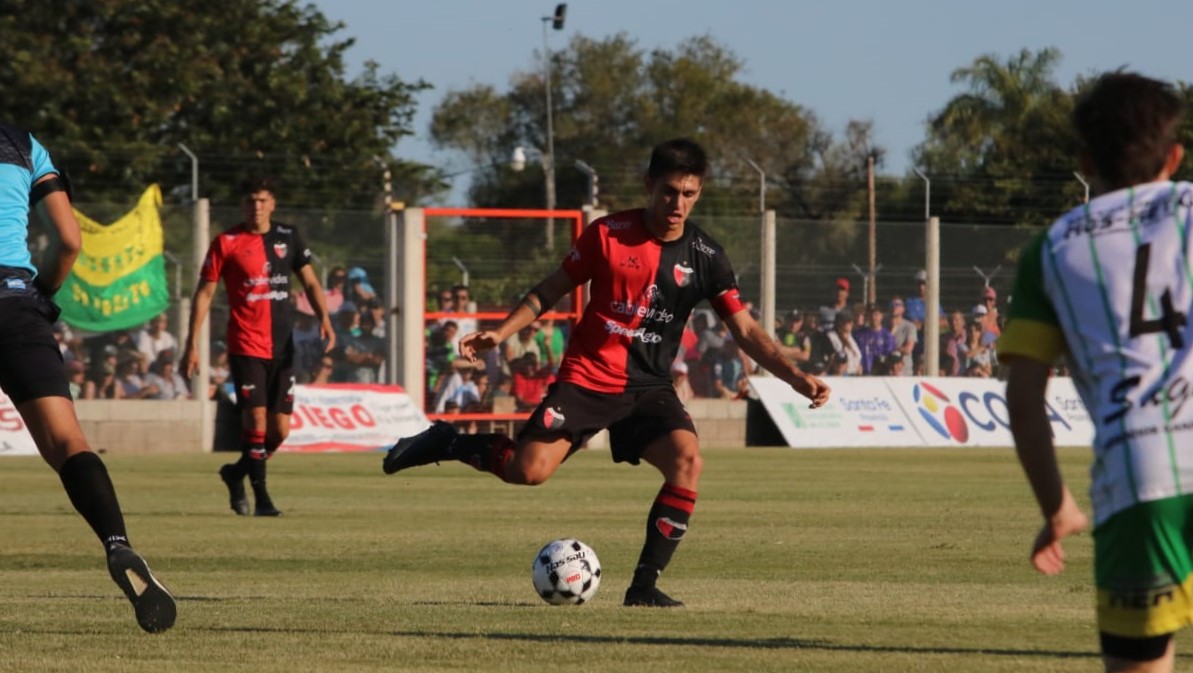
point(263, 383)
point(634, 419)
point(31, 365)
point(1134, 649)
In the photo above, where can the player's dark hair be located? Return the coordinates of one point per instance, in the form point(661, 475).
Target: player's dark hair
point(257, 183)
point(678, 155)
point(1127, 123)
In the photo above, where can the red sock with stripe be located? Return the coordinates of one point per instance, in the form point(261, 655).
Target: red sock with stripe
point(665, 528)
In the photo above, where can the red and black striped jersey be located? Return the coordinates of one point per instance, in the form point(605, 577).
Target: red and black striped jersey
point(256, 271)
point(642, 292)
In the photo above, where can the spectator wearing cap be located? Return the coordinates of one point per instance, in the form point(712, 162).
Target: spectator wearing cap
point(101, 382)
point(874, 340)
point(845, 347)
point(916, 309)
point(794, 343)
point(358, 289)
point(362, 352)
point(828, 312)
point(906, 337)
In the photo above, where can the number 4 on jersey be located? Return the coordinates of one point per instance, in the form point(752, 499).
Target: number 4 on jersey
point(1170, 321)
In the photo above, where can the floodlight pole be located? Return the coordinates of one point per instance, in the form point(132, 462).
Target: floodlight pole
point(556, 22)
point(194, 171)
point(1081, 179)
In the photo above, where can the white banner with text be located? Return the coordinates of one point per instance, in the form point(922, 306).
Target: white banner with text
point(351, 417)
point(15, 439)
point(915, 411)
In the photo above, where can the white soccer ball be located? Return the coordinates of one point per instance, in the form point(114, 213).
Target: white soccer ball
point(566, 572)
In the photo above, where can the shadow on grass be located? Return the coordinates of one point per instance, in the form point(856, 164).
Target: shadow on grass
point(697, 641)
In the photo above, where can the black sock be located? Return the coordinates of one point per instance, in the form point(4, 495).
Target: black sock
point(90, 490)
point(665, 527)
point(489, 452)
point(254, 456)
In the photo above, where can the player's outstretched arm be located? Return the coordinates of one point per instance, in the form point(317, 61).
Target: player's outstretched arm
point(540, 299)
point(1026, 384)
point(759, 345)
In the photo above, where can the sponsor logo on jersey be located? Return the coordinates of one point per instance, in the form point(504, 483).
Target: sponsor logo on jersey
point(703, 247)
point(280, 249)
point(553, 418)
point(683, 274)
point(15, 284)
point(640, 334)
point(618, 225)
point(272, 295)
point(283, 229)
point(647, 313)
point(651, 292)
point(938, 411)
point(672, 530)
point(630, 262)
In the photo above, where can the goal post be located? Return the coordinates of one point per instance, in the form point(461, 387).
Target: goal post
point(408, 265)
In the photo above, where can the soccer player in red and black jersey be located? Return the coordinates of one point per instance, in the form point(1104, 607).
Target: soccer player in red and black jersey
point(647, 269)
point(255, 260)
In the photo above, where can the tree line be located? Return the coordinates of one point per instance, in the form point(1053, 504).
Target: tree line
point(114, 86)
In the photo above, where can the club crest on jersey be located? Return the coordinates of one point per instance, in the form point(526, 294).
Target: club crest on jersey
point(279, 249)
point(683, 274)
point(553, 418)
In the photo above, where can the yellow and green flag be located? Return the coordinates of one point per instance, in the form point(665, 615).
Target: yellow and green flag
point(119, 280)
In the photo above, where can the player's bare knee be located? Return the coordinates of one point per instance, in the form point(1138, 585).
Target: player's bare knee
point(531, 474)
point(689, 464)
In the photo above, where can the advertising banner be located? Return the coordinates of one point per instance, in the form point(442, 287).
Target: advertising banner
point(915, 411)
point(350, 417)
point(14, 436)
point(973, 411)
point(861, 412)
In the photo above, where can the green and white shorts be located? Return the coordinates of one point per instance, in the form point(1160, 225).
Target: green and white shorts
point(1143, 569)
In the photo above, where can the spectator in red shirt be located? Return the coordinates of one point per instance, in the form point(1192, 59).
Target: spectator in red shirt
point(530, 381)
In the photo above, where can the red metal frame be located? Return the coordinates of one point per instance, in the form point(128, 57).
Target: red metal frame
point(577, 218)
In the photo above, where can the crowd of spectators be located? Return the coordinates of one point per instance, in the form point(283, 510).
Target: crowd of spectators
point(839, 338)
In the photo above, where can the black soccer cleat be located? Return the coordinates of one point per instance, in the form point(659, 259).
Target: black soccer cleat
point(429, 446)
point(267, 510)
point(153, 605)
point(649, 597)
point(236, 495)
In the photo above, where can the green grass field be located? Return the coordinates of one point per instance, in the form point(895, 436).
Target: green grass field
point(875, 560)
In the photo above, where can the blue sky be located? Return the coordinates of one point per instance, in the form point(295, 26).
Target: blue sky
point(843, 59)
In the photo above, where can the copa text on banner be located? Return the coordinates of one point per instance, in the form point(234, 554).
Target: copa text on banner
point(915, 411)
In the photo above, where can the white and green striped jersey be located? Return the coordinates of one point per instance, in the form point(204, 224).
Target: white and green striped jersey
point(1110, 284)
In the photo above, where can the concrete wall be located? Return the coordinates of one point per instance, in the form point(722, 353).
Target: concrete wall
point(142, 426)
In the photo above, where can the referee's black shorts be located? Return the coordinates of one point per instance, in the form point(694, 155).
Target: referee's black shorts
point(31, 365)
point(634, 418)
